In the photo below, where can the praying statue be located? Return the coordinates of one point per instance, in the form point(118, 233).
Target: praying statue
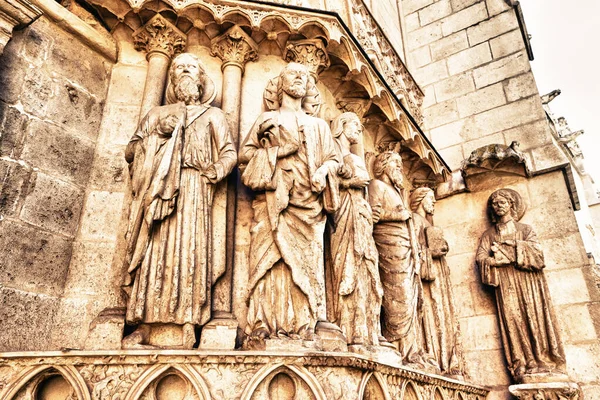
point(354, 285)
point(289, 160)
point(512, 262)
point(440, 329)
point(399, 261)
point(176, 157)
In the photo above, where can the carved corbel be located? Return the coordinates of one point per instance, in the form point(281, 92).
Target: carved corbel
point(159, 36)
point(14, 13)
point(234, 47)
point(309, 52)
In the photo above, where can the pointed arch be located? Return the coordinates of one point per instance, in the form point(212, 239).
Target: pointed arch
point(157, 371)
point(410, 391)
point(269, 370)
point(68, 372)
point(379, 379)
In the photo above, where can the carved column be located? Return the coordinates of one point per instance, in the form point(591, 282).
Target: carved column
point(235, 48)
point(161, 40)
point(309, 52)
point(13, 13)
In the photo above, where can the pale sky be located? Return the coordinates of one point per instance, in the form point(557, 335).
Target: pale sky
point(566, 47)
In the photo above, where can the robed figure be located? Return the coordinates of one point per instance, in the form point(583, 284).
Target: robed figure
point(177, 155)
point(440, 330)
point(286, 160)
point(511, 261)
point(398, 257)
point(355, 290)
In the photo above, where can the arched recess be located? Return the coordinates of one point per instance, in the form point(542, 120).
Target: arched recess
point(373, 382)
point(438, 394)
point(410, 391)
point(69, 373)
point(159, 371)
point(269, 371)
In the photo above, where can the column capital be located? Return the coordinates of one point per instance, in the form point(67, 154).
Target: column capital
point(159, 36)
point(13, 13)
point(234, 47)
point(309, 52)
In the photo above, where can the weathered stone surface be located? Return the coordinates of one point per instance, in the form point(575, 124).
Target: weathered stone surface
point(410, 6)
point(482, 100)
point(53, 205)
point(440, 114)
point(449, 45)
point(497, 71)
point(11, 75)
point(33, 261)
point(487, 366)
point(458, 5)
point(15, 180)
point(13, 125)
point(520, 86)
point(53, 149)
point(506, 44)
point(434, 12)
point(20, 309)
point(421, 56)
point(100, 221)
point(464, 18)
point(36, 92)
point(425, 35)
point(469, 58)
point(576, 323)
point(454, 87)
point(109, 170)
point(493, 27)
point(481, 332)
point(432, 73)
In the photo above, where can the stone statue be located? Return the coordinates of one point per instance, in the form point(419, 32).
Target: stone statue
point(511, 261)
point(354, 285)
point(177, 155)
point(440, 328)
point(398, 257)
point(288, 159)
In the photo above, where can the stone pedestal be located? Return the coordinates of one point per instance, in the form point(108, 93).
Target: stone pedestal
point(220, 333)
point(546, 391)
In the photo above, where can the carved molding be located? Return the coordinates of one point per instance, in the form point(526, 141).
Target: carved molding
point(496, 157)
point(14, 13)
point(547, 391)
point(309, 52)
point(159, 35)
point(234, 47)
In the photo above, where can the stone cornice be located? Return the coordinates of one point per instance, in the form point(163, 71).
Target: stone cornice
point(14, 13)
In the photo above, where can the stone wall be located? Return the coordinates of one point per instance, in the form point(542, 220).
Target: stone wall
point(52, 93)
point(469, 57)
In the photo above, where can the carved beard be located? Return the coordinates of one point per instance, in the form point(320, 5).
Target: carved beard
point(187, 90)
point(295, 90)
point(396, 178)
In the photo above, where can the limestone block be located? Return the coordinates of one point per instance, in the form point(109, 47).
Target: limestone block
point(481, 100)
point(15, 185)
point(501, 69)
point(13, 125)
point(421, 56)
point(127, 84)
point(464, 18)
point(493, 27)
point(506, 44)
point(463, 269)
point(12, 73)
point(547, 156)
point(53, 149)
point(36, 44)
point(520, 86)
point(481, 333)
point(455, 86)
point(430, 98)
point(453, 156)
point(33, 260)
point(583, 364)
point(576, 323)
point(565, 251)
point(484, 298)
point(471, 145)
point(102, 215)
point(464, 238)
point(458, 5)
point(75, 109)
point(74, 315)
point(552, 220)
point(469, 58)
point(425, 35)
point(531, 135)
point(487, 367)
point(36, 90)
point(449, 45)
point(432, 73)
point(448, 135)
point(440, 114)
point(410, 6)
point(219, 334)
point(434, 12)
point(567, 286)
point(53, 205)
point(106, 330)
point(119, 123)
point(591, 392)
point(26, 320)
point(463, 302)
point(110, 170)
point(411, 22)
point(497, 6)
point(552, 188)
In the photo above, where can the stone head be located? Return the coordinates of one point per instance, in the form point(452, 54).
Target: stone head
point(349, 125)
point(389, 164)
point(423, 197)
point(504, 202)
point(187, 79)
point(293, 81)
